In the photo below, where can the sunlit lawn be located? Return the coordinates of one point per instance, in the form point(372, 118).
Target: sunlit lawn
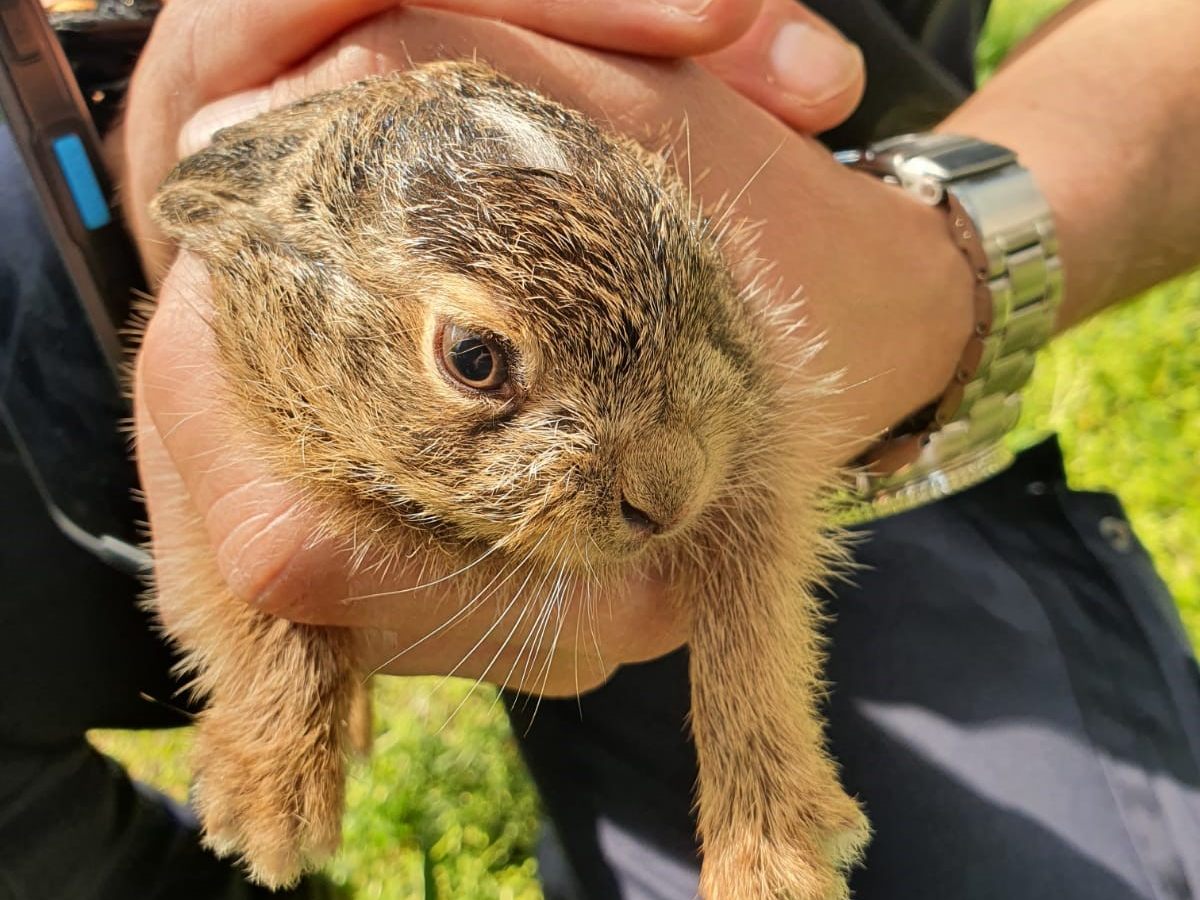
point(449, 812)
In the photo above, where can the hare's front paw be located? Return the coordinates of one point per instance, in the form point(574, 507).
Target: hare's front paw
point(758, 870)
point(761, 870)
point(807, 861)
point(280, 811)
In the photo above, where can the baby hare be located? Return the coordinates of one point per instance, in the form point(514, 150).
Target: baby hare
point(470, 324)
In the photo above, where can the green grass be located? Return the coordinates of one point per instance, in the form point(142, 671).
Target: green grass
point(452, 802)
point(448, 812)
point(443, 808)
point(1009, 22)
point(1123, 391)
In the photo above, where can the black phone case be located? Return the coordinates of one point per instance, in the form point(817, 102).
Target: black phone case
point(67, 275)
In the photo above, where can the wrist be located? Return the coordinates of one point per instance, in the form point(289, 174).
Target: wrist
point(897, 324)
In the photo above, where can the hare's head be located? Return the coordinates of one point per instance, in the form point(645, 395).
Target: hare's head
point(447, 300)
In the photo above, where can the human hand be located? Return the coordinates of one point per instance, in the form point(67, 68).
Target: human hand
point(885, 320)
point(776, 52)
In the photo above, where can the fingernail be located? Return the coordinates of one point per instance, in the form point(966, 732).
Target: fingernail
point(691, 7)
point(198, 131)
point(811, 64)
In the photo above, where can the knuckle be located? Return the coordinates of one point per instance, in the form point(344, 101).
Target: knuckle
point(728, 20)
point(257, 546)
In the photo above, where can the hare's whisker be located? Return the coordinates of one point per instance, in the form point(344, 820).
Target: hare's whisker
point(421, 587)
point(524, 644)
point(533, 641)
point(488, 589)
point(555, 606)
point(562, 605)
point(500, 618)
point(492, 661)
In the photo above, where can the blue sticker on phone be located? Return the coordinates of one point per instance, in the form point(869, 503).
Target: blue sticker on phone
point(81, 180)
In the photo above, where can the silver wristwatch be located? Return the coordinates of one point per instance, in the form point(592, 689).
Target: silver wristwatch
point(1001, 221)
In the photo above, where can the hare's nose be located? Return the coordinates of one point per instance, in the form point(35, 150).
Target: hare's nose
point(663, 482)
point(639, 521)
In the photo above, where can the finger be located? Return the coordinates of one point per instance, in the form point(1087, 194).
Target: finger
point(209, 48)
point(168, 507)
point(632, 94)
point(204, 49)
point(674, 28)
point(253, 521)
point(200, 50)
point(647, 27)
point(233, 44)
point(796, 65)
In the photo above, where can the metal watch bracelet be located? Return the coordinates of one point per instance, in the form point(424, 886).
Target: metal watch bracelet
point(1000, 220)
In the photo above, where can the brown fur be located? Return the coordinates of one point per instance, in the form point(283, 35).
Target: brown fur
point(336, 232)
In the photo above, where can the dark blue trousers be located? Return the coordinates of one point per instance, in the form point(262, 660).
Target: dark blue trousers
point(1014, 700)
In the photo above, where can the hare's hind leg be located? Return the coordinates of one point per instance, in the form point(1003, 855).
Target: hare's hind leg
point(774, 820)
point(271, 743)
point(271, 747)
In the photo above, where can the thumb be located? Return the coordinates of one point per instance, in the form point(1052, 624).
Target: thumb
point(795, 65)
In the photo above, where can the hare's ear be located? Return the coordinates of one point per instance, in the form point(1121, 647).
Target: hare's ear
point(215, 198)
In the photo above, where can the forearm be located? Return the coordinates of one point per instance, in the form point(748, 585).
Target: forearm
point(1103, 108)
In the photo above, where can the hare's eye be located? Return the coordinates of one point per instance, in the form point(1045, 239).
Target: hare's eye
point(474, 360)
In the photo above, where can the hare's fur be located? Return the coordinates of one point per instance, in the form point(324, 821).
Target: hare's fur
point(338, 233)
